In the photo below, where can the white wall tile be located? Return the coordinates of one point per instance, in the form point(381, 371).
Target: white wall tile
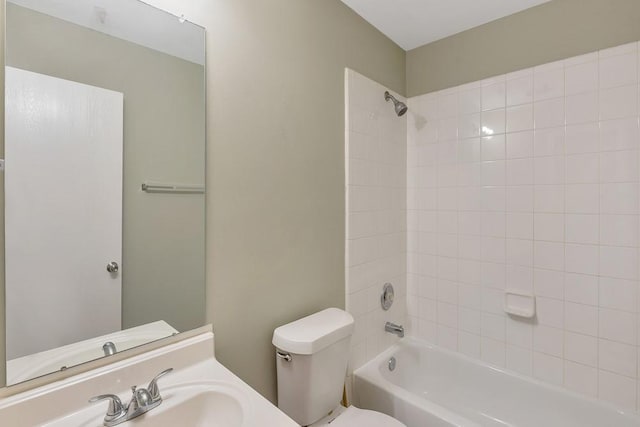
point(519, 252)
point(548, 368)
point(582, 108)
point(549, 142)
point(494, 96)
point(519, 332)
point(619, 262)
point(520, 172)
point(520, 118)
point(377, 217)
point(581, 288)
point(549, 170)
point(550, 198)
point(493, 197)
point(493, 147)
point(582, 138)
point(520, 90)
point(581, 348)
point(470, 101)
point(619, 198)
point(619, 166)
point(618, 50)
point(550, 312)
point(619, 70)
point(469, 126)
point(493, 352)
point(469, 344)
point(519, 145)
point(493, 122)
point(581, 319)
point(493, 173)
point(582, 198)
point(551, 113)
point(583, 229)
point(581, 259)
point(548, 83)
point(616, 389)
point(619, 230)
point(531, 182)
point(580, 378)
point(519, 225)
point(519, 360)
point(619, 102)
point(549, 227)
point(618, 358)
point(520, 198)
point(581, 78)
point(621, 134)
point(548, 255)
point(582, 168)
point(619, 326)
point(548, 340)
point(548, 283)
point(618, 294)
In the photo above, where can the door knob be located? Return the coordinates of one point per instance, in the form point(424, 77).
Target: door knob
point(112, 267)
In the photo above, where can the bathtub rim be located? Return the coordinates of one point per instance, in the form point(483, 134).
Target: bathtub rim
point(370, 372)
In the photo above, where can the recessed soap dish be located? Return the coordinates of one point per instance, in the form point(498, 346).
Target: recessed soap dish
point(520, 304)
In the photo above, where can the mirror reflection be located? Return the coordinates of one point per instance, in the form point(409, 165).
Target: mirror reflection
point(104, 180)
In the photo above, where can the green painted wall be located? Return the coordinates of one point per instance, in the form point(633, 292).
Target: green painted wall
point(552, 31)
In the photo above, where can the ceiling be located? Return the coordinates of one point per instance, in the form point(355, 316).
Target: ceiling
point(413, 23)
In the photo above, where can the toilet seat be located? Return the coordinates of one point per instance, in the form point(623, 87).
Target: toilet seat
point(356, 417)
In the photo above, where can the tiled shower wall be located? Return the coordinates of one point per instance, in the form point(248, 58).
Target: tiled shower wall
point(376, 165)
point(529, 181)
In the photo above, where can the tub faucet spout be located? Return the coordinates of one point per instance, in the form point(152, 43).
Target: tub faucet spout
point(394, 329)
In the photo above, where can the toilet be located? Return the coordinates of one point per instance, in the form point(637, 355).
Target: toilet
point(311, 356)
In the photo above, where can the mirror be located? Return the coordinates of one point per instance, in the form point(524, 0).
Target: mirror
point(104, 180)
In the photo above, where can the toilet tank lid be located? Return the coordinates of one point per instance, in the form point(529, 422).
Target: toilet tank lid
point(315, 332)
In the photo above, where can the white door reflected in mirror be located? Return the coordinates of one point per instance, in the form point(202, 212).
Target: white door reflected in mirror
point(63, 195)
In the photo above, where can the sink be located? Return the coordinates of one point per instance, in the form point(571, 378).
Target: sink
point(196, 404)
point(210, 408)
point(199, 391)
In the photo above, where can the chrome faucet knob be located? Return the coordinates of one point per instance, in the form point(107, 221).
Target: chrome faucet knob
point(115, 410)
point(154, 391)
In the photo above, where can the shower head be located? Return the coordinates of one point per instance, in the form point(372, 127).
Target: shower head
point(400, 107)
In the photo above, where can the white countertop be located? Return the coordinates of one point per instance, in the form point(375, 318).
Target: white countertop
point(64, 403)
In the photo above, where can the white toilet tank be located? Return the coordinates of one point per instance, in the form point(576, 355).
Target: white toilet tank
point(311, 357)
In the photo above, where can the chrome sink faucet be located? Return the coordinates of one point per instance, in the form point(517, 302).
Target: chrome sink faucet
point(394, 329)
point(142, 400)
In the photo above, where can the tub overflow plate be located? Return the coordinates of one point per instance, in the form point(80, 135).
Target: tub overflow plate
point(392, 363)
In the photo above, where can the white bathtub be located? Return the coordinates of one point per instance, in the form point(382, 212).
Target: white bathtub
point(433, 387)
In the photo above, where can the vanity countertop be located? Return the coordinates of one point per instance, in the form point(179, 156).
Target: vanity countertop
point(201, 387)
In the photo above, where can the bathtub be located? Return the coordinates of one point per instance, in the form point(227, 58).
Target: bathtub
point(433, 387)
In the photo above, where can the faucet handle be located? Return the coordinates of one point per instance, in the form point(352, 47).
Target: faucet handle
point(116, 408)
point(153, 389)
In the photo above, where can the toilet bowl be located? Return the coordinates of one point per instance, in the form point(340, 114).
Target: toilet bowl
point(311, 358)
point(355, 417)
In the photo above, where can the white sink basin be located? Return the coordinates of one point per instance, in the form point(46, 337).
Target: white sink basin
point(209, 408)
point(197, 404)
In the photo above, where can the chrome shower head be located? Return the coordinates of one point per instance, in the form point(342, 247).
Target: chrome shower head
point(400, 107)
